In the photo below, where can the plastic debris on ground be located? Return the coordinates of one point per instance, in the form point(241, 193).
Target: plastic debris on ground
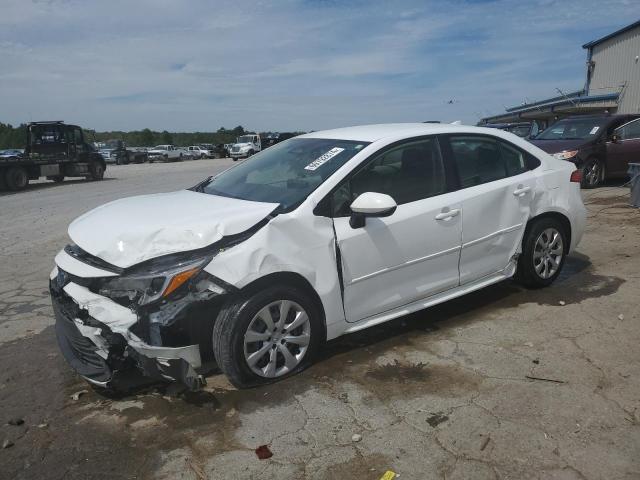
point(263, 452)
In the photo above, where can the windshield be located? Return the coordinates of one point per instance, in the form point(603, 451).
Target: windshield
point(245, 139)
point(573, 129)
point(285, 173)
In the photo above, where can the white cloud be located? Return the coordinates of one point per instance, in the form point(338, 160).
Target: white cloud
point(199, 65)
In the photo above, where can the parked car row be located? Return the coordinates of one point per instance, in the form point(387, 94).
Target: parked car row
point(115, 151)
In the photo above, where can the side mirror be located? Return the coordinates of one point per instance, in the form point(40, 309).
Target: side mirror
point(615, 138)
point(371, 204)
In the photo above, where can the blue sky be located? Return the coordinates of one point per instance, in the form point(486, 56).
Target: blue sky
point(289, 65)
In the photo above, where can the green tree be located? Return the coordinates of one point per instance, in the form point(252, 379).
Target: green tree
point(146, 137)
point(167, 138)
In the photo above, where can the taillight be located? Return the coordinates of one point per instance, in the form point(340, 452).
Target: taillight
point(576, 176)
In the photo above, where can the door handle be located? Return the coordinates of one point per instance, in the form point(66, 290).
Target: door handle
point(521, 190)
point(448, 214)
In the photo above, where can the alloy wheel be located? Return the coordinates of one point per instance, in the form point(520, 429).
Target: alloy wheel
point(277, 339)
point(592, 173)
point(547, 253)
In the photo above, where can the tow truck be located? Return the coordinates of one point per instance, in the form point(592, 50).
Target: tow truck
point(54, 150)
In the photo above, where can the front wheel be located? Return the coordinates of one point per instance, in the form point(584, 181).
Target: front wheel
point(544, 249)
point(592, 173)
point(267, 335)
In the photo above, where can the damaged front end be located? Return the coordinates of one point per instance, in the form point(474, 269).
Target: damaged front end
point(156, 317)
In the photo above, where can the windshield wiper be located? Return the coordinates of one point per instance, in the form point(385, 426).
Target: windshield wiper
point(200, 186)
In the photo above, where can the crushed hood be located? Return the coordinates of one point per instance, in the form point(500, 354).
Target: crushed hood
point(131, 230)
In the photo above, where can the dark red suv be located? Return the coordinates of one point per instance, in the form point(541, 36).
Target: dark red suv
point(602, 145)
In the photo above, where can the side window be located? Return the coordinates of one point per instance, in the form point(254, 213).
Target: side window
point(409, 172)
point(478, 160)
point(629, 131)
point(77, 136)
point(514, 159)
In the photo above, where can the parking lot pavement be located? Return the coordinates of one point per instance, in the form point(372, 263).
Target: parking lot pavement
point(502, 383)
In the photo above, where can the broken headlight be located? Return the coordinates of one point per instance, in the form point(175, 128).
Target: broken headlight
point(156, 280)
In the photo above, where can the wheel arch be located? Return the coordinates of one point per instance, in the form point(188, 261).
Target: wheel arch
point(560, 217)
point(291, 279)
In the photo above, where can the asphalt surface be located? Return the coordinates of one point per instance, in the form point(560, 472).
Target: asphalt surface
point(502, 383)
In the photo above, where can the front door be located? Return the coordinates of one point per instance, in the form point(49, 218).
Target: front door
point(496, 192)
point(625, 149)
point(395, 260)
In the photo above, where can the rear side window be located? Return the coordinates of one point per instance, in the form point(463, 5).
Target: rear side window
point(477, 159)
point(514, 159)
point(408, 172)
point(482, 160)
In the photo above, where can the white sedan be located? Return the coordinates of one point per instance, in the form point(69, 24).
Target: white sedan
point(321, 235)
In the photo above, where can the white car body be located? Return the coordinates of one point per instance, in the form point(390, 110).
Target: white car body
point(165, 152)
point(245, 146)
point(361, 276)
point(199, 152)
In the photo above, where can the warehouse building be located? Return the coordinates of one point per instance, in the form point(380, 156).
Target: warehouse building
point(612, 84)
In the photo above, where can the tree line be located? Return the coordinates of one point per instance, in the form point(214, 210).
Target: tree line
point(16, 137)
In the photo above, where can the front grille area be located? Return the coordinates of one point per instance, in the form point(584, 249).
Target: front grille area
point(77, 350)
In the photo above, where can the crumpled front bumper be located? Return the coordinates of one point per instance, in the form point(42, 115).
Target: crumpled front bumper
point(94, 336)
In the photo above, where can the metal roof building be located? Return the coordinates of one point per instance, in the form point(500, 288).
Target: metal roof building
point(612, 83)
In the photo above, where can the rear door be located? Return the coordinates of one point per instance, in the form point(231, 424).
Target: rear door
point(395, 260)
point(626, 149)
point(496, 190)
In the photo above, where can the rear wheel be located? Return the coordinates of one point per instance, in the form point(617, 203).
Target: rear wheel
point(56, 178)
point(544, 249)
point(592, 173)
point(266, 336)
point(16, 178)
point(97, 170)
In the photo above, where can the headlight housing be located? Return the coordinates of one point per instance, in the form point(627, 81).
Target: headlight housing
point(159, 279)
point(566, 155)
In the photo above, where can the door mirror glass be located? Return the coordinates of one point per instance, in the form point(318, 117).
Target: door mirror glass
point(371, 204)
point(615, 138)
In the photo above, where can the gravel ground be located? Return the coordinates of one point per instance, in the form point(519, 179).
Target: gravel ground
point(443, 393)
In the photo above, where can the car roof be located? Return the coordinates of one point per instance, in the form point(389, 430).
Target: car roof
point(373, 133)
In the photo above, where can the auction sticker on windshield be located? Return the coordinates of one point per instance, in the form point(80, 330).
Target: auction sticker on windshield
point(324, 158)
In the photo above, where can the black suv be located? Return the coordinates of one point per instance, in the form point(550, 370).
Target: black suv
point(593, 143)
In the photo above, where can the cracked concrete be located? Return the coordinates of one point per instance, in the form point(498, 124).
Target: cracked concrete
point(441, 394)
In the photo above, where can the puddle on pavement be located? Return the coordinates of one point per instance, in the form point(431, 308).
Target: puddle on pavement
point(401, 378)
point(577, 282)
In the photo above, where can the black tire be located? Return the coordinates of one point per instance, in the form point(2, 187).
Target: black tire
point(234, 320)
point(3, 184)
point(96, 169)
point(251, 152)
point(235, 159)
point(526, 273)
point(56, 178)
point(16, 178)
point(593, 172)
point(180, 158)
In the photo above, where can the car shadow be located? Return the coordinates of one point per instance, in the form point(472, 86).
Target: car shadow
point(50, 184)
point(575, 283)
